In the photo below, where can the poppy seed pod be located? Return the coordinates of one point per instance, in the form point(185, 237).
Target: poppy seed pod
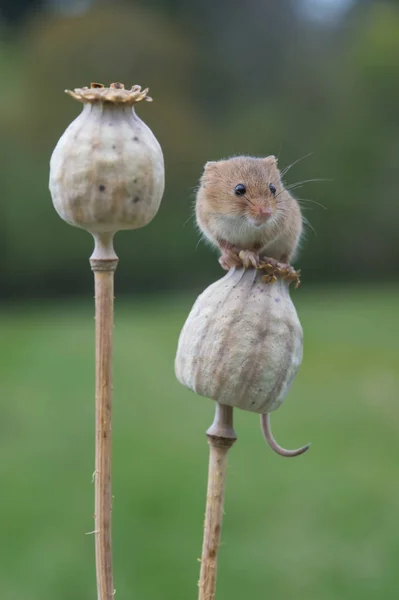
point(107, 170)
point(241, 344)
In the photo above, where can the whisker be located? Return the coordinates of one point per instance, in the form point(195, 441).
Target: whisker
point(198, 243)
point(299, 183)
point(284, 171)
point(277, 195)
point(189, 219)
point(305, 207)
point(308, 223)
point(248, 200)
point(312, 201)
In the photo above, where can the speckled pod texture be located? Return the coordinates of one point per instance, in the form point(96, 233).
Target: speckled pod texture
point(107, 170)
point(242, 342)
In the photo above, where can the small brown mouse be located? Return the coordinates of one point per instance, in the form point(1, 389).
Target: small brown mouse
point(243, 208)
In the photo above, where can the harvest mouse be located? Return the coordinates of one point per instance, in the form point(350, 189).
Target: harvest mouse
point(243, 208)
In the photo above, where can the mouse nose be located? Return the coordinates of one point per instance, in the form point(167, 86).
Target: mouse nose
point(263, 213)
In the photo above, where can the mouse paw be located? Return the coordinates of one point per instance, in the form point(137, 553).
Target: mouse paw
point(229, 259)
point(274, 269)
point(249, 258)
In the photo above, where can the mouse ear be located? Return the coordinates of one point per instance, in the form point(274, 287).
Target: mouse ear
point(271, 160)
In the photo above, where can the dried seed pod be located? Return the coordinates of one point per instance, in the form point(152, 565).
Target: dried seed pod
point(241, 345)
point(107, 170)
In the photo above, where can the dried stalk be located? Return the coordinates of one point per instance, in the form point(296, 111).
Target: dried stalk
point(221, 436)
point(103, 262)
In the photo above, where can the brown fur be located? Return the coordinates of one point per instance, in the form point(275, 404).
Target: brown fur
point(227, 221)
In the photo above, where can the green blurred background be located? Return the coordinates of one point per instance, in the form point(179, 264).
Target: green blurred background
point(264, 77)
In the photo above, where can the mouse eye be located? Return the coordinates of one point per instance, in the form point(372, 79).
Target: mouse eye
point(272, 188)
point(240, 189)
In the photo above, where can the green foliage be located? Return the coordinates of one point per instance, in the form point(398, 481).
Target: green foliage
point(320, 526)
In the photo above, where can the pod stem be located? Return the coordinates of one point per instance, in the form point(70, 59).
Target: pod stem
point(221, 436)
point(103, 262)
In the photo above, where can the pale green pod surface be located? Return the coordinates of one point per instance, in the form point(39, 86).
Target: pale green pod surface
point(107, 170)
point(241, 344)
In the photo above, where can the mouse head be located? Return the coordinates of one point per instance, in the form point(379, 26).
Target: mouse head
point(243, 186)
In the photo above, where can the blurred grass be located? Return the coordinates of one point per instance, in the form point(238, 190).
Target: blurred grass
point(318, 527)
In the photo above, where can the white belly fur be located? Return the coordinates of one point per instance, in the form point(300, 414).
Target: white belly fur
point(239, 232)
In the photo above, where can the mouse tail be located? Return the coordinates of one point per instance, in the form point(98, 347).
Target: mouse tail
point(267, 432)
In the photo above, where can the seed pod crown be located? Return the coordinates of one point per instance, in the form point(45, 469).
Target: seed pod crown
point(107, 170)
